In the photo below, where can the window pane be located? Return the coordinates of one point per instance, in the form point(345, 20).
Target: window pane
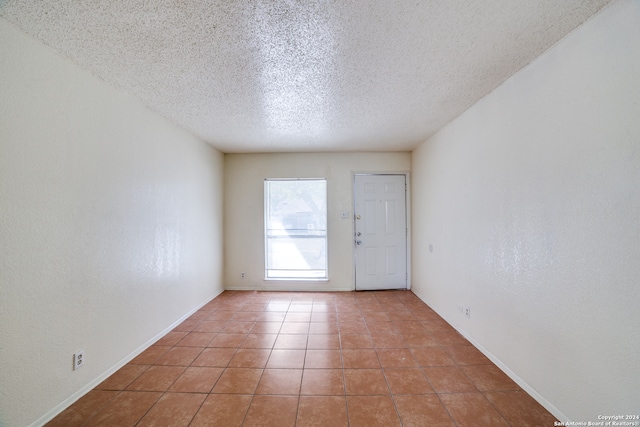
point(296, 229)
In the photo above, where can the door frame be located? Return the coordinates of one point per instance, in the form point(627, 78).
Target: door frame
point(407, 177)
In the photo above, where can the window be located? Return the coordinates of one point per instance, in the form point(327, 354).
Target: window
point(295, 229)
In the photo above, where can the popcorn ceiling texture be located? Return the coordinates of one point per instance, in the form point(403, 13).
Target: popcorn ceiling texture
point(292, 75)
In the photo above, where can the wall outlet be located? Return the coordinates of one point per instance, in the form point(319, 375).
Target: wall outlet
point(78, 360)
point(243, 275)
point(467, 312)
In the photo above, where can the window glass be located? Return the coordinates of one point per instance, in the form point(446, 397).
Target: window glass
point(296, 229)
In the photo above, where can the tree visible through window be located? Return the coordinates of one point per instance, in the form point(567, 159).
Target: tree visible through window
point(295, 229)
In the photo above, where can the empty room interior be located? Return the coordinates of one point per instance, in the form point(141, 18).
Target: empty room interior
point(178, 175)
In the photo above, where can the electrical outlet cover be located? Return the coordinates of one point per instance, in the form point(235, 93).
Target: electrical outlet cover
point(78, 360)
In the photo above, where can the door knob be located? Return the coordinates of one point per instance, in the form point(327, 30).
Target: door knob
point(357, 216)
point(358, 242)
point(358, 234)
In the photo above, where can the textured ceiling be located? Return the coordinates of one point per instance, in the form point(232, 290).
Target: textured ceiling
point(294, 75)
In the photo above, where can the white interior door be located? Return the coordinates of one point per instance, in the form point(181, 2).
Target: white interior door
point(380, 232)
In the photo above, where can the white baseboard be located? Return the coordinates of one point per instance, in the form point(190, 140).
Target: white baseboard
point(523, 384)
point(55, 411)
point(307, 287)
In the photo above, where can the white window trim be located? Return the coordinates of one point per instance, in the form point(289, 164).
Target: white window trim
point(326, 238)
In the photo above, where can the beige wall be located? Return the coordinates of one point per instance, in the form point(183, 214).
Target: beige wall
point(110, 228)
point(526, 209)
point(244, 211)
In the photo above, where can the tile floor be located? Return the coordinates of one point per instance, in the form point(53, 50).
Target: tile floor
point(309, 359)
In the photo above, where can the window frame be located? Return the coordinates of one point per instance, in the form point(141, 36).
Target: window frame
point(266, 212)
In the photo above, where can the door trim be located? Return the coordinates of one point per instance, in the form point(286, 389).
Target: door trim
point(407, 176)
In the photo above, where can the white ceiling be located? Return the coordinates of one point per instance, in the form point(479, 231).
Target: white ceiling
point(302, 75)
